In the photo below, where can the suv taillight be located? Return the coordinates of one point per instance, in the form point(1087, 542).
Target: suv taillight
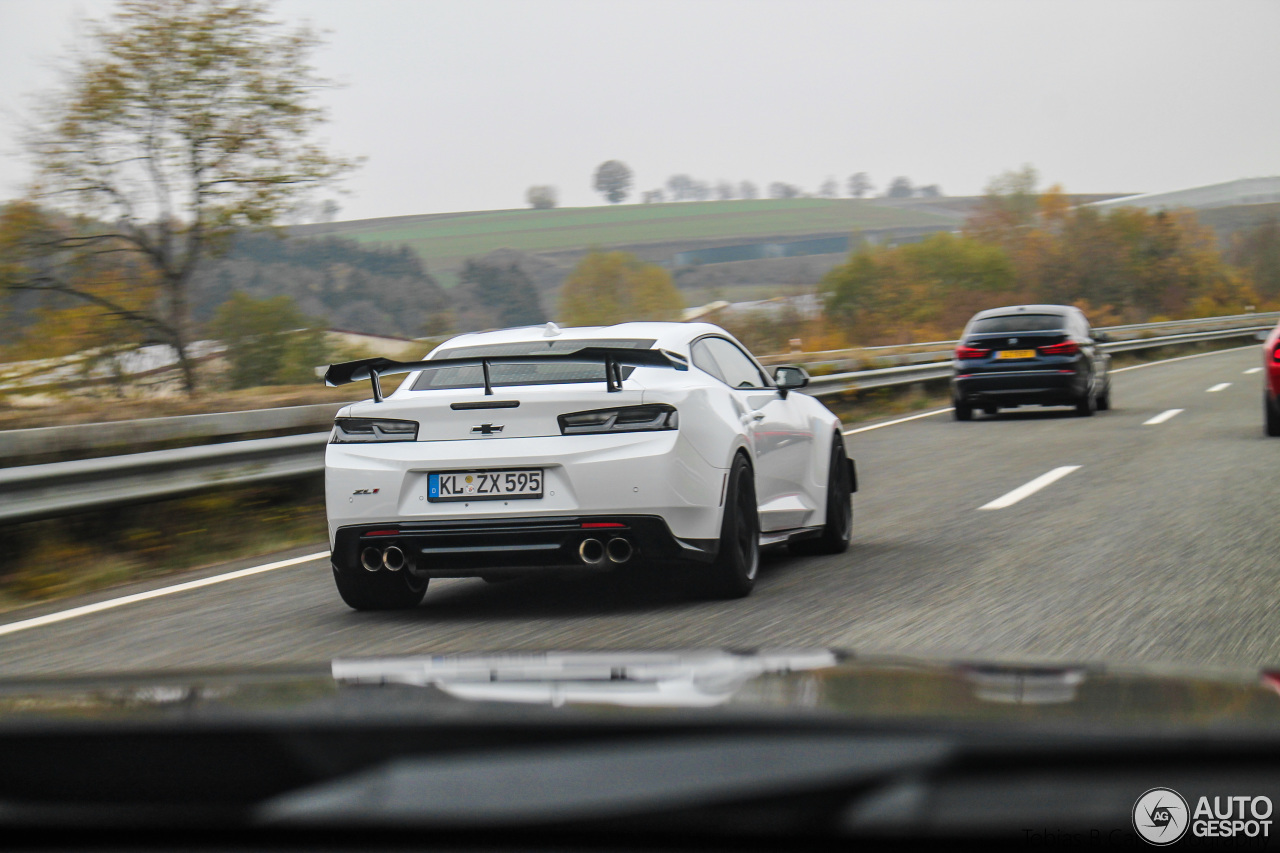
point(1064, 348)
point(1275, 353)
point(963, 351)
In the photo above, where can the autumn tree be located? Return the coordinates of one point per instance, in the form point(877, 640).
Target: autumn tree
point(615, 287)
point(542, 197)
point(269, 341)
point(179, 123)
point(613, 180)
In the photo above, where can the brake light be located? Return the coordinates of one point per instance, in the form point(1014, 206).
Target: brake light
point(597, 524)
point(1275, 353)
point(1064, 348)
point(382, 533)
point(659, 416)
point(963, 351)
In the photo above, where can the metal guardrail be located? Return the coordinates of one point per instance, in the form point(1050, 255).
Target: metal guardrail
point(16, 443)
point(58, 488)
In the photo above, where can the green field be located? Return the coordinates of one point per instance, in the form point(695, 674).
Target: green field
point(443, 241)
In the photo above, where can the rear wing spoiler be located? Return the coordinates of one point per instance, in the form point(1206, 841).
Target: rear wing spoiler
point(611, 357)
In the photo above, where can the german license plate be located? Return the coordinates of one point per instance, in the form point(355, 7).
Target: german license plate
point(1016, 353)
point(484, 485)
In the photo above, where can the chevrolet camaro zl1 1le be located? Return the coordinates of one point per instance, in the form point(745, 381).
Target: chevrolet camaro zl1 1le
point(637, 447)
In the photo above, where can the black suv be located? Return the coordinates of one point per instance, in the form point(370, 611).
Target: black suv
point(1030, 354)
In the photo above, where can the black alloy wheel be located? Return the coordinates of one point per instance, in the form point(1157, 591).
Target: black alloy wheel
point(963, 411)
point(838, 530)
point(1271, 411)
point(380, 590)
point(733, 573)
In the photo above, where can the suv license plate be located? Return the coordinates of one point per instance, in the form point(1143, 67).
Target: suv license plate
point(484, 485)
point(1016, 353)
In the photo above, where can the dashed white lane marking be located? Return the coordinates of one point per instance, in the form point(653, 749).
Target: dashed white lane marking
point(898, 421)
point(1030, 488)
point(1162, 417)
point(1219, 387)
point(110, 604)
point(1253, 370)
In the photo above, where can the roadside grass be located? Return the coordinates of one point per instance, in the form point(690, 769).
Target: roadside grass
point(61, 557)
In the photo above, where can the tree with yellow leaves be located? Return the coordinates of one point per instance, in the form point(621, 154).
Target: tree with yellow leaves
point(615, 287)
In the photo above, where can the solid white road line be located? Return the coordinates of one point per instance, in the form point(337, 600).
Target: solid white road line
point(1162, 417)
point(62, 616)
point(1253, 370)
point(898, 421)
point(1219, 387)
point(1030, 488)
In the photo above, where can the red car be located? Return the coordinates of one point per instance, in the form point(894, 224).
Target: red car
point(1271, 388)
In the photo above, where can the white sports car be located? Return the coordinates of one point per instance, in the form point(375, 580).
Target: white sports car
point(639, 446)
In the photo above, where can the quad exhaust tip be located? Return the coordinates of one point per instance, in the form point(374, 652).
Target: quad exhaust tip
point(619, 550)
point(591, 552)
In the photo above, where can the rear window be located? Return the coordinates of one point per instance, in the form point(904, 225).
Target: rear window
point(552, 373)
point(1019, 323)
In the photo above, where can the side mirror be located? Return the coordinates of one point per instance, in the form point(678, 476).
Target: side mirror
point(789, 377)
point(1101, 337)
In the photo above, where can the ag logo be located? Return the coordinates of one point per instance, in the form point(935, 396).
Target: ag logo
point(1160, 816)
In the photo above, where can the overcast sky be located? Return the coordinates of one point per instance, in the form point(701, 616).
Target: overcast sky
point(463, 105)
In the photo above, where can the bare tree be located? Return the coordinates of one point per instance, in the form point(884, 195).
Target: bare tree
point(900, 187)
point(542, 197)
point(178, 124)
point(747, 189)
point(613, 180)
point(779, 189)
point(829, 188)
point(859, 185)
point(725, 191)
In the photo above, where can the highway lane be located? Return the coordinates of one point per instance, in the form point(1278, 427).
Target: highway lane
point(1161, 546)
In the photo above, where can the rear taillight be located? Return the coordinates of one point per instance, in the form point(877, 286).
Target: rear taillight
point(658, 416)
point(1275, 353)
point(1064, 348)
point(963, 351)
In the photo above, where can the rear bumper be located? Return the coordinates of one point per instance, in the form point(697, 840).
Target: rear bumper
point(1012, 387)
point(495, 547)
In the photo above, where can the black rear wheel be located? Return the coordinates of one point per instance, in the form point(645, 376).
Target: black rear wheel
point(381, 590)
point(963, 411)
point(733, 574)
point(1087, 404)
point(838, 530)
point(1271, 407)
point(990, 410)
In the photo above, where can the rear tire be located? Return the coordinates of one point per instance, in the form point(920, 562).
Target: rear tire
point(733, 573)
point(963, 411)
point(1271, 408)
point(1104, 399)
point(1087, 405)
point(990, 410)
point(838, 529)
point(363, 590)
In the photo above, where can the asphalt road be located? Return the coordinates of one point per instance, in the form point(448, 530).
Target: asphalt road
point(1161, 546)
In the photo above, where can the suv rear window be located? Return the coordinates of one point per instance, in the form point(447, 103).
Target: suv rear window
point(552, 373)
point(1019, 323)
